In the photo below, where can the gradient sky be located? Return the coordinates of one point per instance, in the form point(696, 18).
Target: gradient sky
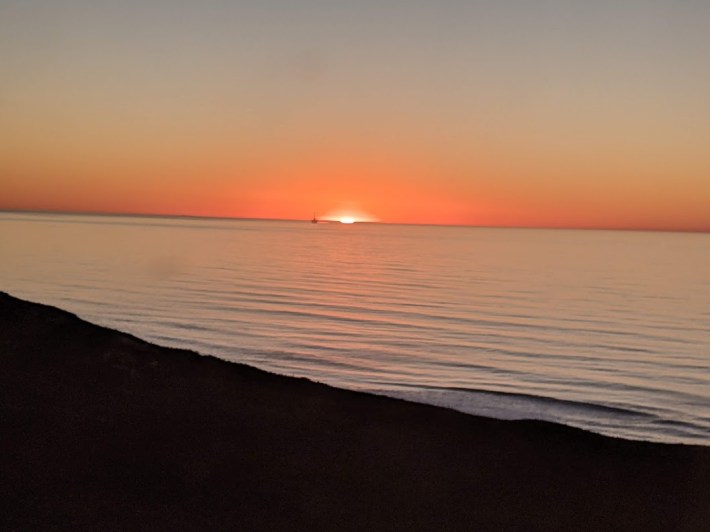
point(534, 113)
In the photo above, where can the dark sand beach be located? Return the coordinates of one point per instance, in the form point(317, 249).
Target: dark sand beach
point(102, 431)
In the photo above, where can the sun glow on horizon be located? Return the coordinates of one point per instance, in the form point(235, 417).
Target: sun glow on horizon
point(350, 216)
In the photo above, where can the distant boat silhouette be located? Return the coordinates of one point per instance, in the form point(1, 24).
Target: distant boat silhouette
point(314, 220)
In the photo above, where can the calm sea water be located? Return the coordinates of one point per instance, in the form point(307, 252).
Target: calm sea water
point(608, 331)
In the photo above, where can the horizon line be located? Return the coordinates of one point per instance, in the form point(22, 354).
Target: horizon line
point(236, 218)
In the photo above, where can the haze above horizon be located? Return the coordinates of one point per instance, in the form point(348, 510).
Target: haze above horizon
point(517, 114)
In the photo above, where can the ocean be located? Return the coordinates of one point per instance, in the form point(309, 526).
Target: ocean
point(608, 331)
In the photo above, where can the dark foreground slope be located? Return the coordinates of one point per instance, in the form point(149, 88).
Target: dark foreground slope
point(100, 431)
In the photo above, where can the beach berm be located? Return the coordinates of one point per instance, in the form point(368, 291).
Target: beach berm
point(103, 431)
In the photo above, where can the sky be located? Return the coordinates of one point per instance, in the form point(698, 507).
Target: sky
point(479, 112)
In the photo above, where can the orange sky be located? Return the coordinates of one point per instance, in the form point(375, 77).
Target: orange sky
point(582, 116)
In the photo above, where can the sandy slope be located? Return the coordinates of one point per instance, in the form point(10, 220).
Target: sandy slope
point(100, 430)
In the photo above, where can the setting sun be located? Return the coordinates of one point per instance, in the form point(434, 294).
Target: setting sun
point(349, 215)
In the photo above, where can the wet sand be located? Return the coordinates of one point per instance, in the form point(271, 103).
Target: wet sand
point(102, 431)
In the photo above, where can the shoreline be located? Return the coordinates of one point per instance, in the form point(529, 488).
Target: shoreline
point(103, 430)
